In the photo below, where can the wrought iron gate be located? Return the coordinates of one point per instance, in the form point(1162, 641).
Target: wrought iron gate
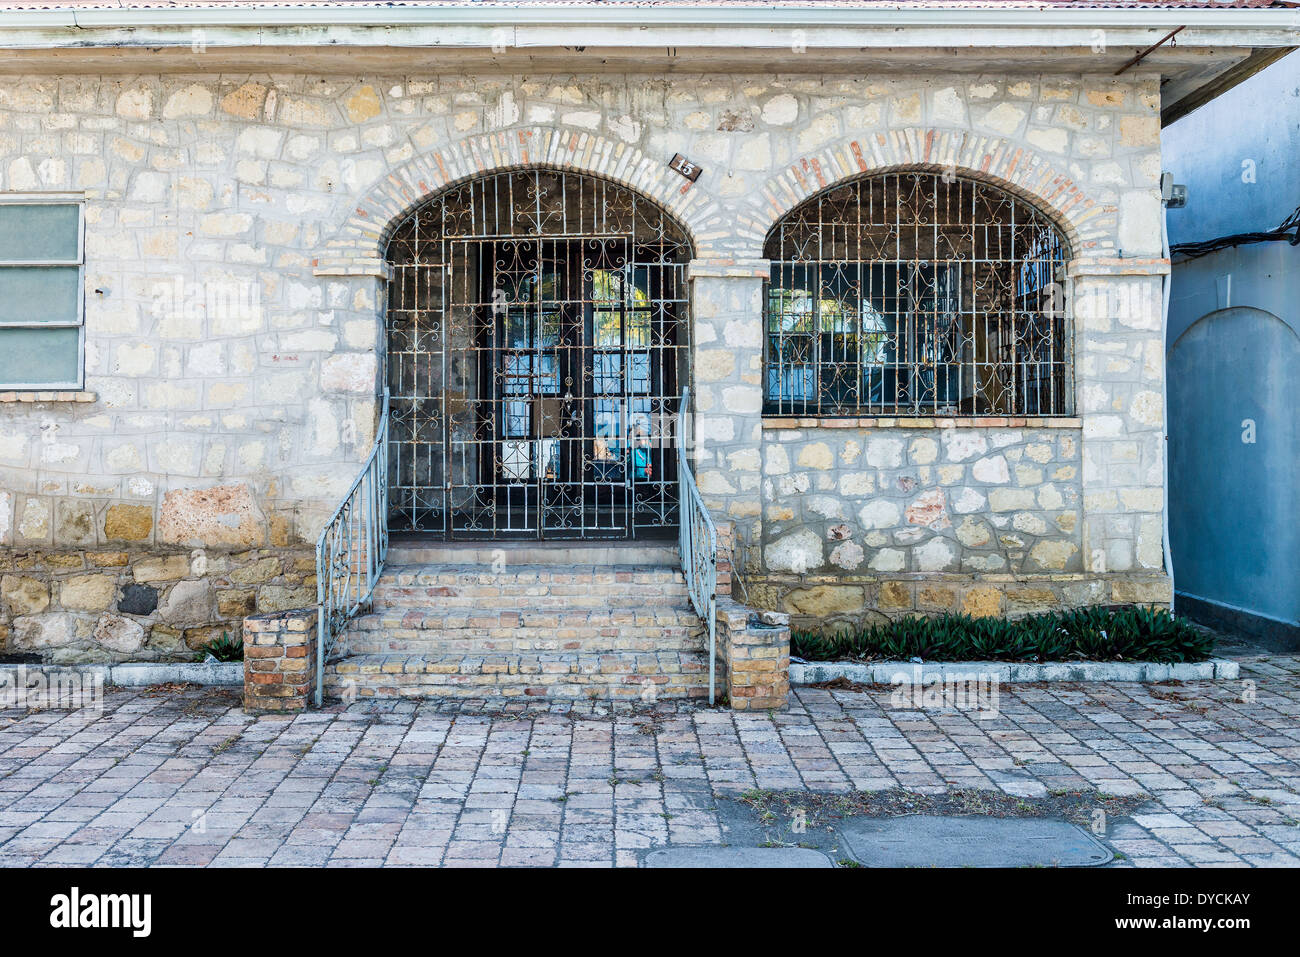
point(536, 352)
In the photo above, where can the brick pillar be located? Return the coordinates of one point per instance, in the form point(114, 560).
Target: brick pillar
point(280, 660)
point(753, 656)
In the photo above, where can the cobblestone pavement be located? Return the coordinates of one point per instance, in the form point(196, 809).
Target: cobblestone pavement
point(185, 777)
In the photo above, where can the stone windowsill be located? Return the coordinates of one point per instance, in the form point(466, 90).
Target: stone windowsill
point(923, 422)
point(65, 395)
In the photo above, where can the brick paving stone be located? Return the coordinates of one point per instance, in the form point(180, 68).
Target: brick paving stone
point(188, 779)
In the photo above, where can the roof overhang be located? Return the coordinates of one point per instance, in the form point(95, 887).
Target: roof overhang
point(1215, 48)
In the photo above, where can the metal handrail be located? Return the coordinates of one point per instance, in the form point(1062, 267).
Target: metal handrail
point(351, 550)
point(698, 541)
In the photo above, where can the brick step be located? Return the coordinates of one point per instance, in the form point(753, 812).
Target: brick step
point(592, 631)
point(467, 600)
point(525, 619)
point(571, 676)
point(529, 575)
point(373, 643)
point(565, 555)
point(529, 588)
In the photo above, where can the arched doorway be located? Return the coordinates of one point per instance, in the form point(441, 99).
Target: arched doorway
point(537, 351)
point(1234, 439)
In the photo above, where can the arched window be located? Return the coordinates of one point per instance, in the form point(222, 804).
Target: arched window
point(917, 293)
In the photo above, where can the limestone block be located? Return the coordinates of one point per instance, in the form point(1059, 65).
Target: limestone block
point(797, 552)
point(714, 365)
point(188, 603)
point(822, 601)
point(131, 523)
point(895, 595)
point(193, 100)
point(780, 110)
point(1142, 592)
point(244, 102)
point(982, 602)
point(119, 634)
point(74, 523)
point(888, 560)
point(41, 632)
point(974, 533)
point(23, 595)
point(161, 568)
point(880, 513)
point(221, 515)
point(856, 484)
point(1052, 554)
point(928, 509)
point(816, 455)
point(923, 451)
point(936, 555)
point(352, 372)
point(962, 444)
point(847, 555)
point(273, 598)
point(884, 453)
point(992, 470)
point(88, 592)
point(262, 570)
point(968, 500)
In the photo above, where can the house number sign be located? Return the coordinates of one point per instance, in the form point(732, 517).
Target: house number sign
point(684, 166)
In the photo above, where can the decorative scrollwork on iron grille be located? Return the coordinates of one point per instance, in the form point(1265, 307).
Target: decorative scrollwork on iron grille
point(537, 346)
point(917, 293)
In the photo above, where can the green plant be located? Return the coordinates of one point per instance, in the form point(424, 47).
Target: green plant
point(225, 648)
point(1096, 634)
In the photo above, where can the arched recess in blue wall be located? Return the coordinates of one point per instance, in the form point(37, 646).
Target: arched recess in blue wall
point(1234, 503)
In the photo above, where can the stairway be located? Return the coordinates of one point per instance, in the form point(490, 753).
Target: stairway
point(563, 621)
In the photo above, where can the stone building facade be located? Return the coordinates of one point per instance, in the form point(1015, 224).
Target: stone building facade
point(234, 281)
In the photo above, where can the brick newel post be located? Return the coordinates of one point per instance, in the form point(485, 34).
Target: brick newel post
point(753, 656)
point(280, 660)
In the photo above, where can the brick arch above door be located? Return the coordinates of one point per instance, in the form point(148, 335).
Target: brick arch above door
point(357, 248)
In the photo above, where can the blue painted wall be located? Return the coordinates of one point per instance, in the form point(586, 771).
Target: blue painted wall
point(1255, 123)
point(1234, 452)
point(1234, 355)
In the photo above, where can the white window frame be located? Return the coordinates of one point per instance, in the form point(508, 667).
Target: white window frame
point(54, 199)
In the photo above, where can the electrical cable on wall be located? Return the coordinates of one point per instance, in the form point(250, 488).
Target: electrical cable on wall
point(1288, 231)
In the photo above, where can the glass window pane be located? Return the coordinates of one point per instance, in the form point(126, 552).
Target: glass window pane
point(39, 293)
point(39, 356)
point(607, 373)
point(607, 329)
point(39, 232)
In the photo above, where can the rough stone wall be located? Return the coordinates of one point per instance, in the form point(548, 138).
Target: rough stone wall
point(921, 500)
point(74, 606)
point(234, 274)
point(864, 524)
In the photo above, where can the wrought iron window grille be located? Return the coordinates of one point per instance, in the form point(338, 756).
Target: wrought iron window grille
point(917, 294)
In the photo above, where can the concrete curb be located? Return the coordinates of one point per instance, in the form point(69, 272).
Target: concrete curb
point(1011, 672)
point(142, 674)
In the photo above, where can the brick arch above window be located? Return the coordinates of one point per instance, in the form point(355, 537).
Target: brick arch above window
point(1088, 225)
point(357, 248)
